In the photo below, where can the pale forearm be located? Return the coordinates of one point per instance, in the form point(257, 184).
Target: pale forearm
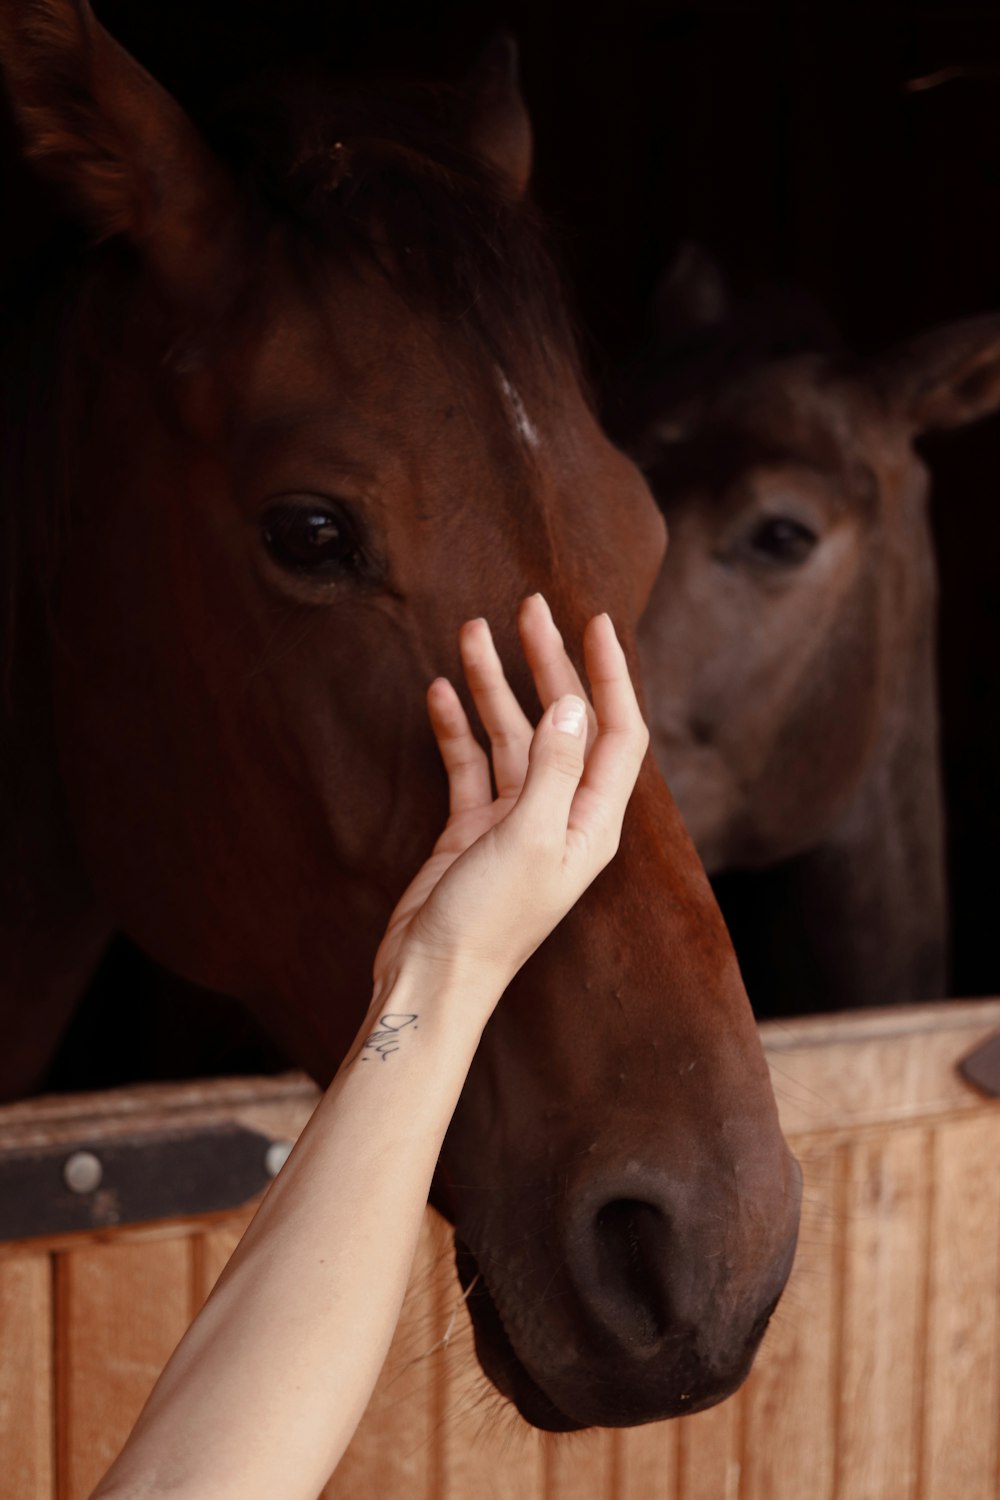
point(264, 1392)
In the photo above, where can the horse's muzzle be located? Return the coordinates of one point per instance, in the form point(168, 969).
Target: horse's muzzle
point(640, 1308)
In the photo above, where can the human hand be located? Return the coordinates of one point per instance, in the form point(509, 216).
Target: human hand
point(506, 869)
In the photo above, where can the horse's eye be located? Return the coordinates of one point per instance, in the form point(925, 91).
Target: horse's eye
point(781, 540)
point(309, 537)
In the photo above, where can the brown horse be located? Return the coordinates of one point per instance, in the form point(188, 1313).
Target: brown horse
point(306, 407)
point(789, 645)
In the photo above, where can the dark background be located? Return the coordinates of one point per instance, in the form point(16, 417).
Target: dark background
point(788, 139)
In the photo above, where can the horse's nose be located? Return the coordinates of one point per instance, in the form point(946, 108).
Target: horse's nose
point(666, 1274)
point(647, 1291)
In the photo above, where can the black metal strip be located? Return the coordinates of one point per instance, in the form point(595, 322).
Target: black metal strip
point(130, 1179)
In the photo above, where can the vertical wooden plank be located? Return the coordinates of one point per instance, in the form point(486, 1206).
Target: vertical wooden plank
point(26, 1405)
point(708, 1453)
point(886, 1227)
point(962, 1394)
point(584, 1464)
point(395, 1452)
point(646, 1462)
point(121, 1309)
point(790, 1438)
point(486, 1451)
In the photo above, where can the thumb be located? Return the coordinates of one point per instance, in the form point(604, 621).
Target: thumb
point(555, 765)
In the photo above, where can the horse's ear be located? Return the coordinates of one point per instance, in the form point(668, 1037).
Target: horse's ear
point(95, 122)
point(691, 294)
point(497, 124)
point(947, 377)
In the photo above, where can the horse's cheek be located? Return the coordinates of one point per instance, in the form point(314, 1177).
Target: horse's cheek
point(237, 795)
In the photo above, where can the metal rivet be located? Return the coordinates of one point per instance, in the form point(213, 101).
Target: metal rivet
point(82, 1172)
point(276, 1155)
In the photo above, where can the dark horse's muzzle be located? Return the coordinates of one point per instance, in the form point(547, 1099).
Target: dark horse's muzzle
point(639, 1298)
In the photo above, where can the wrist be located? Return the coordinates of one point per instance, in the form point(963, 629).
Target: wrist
point(445, 992)
point(422, 1028)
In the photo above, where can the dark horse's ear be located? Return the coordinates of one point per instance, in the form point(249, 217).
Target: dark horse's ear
point(944, 378)
point(496, 121)
point(95, 122)
point(692, 294)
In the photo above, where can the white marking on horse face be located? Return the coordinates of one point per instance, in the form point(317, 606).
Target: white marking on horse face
point(525, 427)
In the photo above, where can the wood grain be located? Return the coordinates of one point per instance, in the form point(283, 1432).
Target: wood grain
point(962, 1395)
point(26, 1395)
point(646, 1463)
point(839, 1073)
point(582, 1463)
point(709, 1453)
point(120, 1309)
point(886, 1228)
point(789, 1435)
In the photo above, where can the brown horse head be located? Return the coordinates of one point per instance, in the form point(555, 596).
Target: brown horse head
point(318, 406)
point(789, 638)
point(789, 645)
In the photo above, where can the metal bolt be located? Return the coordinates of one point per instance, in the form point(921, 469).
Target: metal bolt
point(276, 1155)
point(82, 1172)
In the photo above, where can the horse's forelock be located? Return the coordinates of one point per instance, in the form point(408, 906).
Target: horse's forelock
point(384, 182)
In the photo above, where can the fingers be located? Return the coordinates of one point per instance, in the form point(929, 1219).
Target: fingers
point(545, 653)
point(555, 765)
point(502, 716)
point(464, 759)
point(622, 737)
point(561, 789)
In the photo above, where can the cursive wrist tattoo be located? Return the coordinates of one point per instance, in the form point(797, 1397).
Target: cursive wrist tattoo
point(385, 1040)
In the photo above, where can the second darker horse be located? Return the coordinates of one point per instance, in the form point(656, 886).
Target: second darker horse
point(308, 405)
point(789, 645)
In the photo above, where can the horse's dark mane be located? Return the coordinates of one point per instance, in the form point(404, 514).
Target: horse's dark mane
point(675, 365)
point(383, 179)
point(775, 323)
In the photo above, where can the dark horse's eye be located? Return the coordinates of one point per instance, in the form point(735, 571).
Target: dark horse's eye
point(782, 540)
point(308, 537)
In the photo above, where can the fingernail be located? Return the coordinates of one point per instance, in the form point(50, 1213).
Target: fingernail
point(570, 715)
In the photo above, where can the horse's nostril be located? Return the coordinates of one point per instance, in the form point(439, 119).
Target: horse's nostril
point(631, 1260)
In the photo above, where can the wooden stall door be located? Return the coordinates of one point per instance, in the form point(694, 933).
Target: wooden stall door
point(879, 1379)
